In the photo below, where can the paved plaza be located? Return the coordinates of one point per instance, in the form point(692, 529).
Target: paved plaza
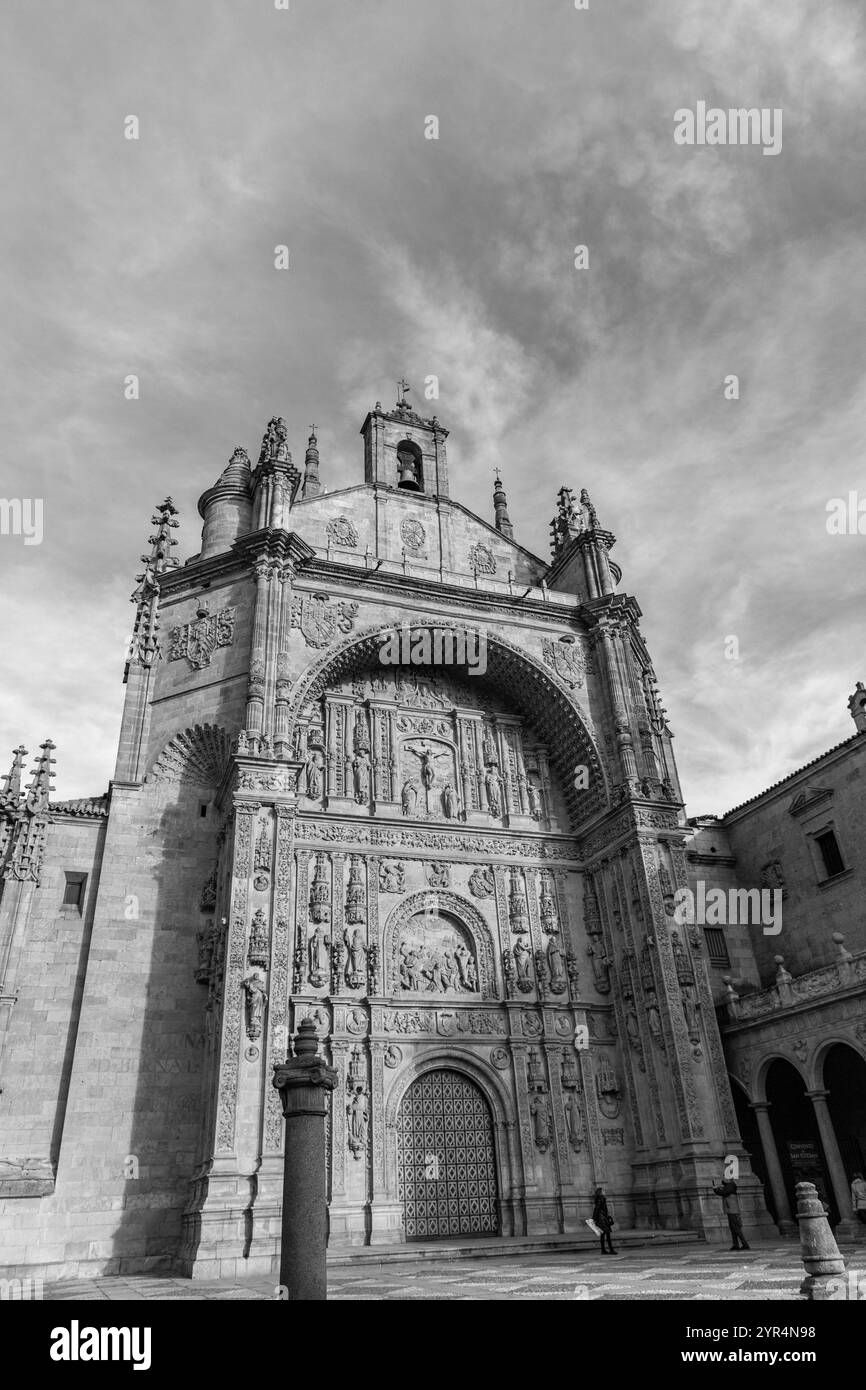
point(694, 1273)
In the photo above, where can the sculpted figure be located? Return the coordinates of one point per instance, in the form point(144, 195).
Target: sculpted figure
point(409, 797)
point(540, 1112)
point(493, 786)
point(314, 775)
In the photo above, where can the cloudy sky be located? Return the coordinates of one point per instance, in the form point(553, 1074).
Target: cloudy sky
point(305, 127)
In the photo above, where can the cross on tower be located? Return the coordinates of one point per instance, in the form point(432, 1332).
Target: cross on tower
point(402, 387)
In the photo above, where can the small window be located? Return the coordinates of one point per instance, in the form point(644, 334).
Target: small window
point(717, 946)
point(830, 854)
point(202, 809)
point(73, 893)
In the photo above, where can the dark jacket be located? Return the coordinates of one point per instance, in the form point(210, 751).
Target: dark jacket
point(600, 1214)
point(728, 1192)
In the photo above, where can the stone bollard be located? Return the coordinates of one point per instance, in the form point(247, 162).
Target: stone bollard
point(819, 1250)
point(303, 1082)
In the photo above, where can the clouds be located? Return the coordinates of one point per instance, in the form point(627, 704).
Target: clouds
point(455, 258)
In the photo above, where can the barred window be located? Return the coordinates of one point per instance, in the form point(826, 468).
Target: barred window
point(717, 946)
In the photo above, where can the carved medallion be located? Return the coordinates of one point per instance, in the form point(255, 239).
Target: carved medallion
point(393, 1055)
point(499, 1058)
point(412, 534)
point(481, 884)
point(342, 532)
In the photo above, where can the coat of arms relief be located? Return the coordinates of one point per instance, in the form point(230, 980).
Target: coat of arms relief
point(198, 640)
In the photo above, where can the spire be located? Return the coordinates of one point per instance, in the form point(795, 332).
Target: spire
point(276, 480)
point(274, 447)
point(312, 485)
point(143, 643)
point(39, 790)
point(589, 514)
point(567, 523)
point(10, 792)
point(500, 509)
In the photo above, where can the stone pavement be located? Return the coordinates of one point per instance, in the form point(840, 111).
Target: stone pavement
point(695, 1273)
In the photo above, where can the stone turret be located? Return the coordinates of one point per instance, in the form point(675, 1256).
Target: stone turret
point(226, 508)
point(312, 486)
point(502, 520)
point(857, 707)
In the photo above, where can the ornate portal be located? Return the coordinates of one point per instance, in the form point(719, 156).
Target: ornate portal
point(447, 1167)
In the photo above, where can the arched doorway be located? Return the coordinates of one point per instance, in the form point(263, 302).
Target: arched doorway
point(446, 1159)
point(798, 1140)
point(845, 1081)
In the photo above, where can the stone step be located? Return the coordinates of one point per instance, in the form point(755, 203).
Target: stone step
point(499, 1247)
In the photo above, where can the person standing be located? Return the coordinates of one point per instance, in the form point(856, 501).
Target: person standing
point(858, 1196)
point(603, 1220)
point(727, 1190)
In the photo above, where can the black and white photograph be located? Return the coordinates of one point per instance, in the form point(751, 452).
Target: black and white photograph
point(433, 694)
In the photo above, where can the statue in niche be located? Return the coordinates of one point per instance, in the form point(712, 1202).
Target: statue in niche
point(391, 876)
point(314, 766)
point(493, 787)
point(540, 1112)
point(318, 956)
point(522, 958)
point(450, 804)
point(600, 969)
point(556, 965)
point(654, 1019)
point(357, 959)
point(257, 998)
point(358, 1111)
point(573, 1119)
point(489, 749)
point(535, 802)
point(361, 777)
point(409, 797)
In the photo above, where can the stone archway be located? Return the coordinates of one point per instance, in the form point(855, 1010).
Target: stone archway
point(843, 1077)
point(536, 693)
point(447, 1179)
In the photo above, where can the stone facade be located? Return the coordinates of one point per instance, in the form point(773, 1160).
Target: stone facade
point(463, 871)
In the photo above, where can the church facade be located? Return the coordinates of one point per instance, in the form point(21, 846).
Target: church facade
point(383, 768)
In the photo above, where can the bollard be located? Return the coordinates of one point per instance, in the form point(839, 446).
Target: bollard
point(303, 1082)
point(818, 1249)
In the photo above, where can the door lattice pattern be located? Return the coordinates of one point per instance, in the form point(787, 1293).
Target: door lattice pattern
point(446, 1160)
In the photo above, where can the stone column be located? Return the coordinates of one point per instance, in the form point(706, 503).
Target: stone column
point(787, 1226)
point(303, 1082)
point(847, 1228)
point(825, 1268)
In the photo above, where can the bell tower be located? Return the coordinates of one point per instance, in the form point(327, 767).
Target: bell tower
point(404, 451)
